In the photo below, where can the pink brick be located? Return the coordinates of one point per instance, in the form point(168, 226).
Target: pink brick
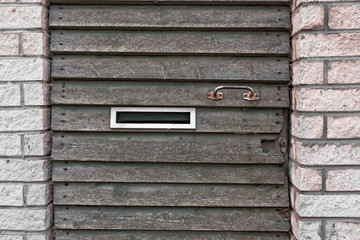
point(23, 17)
point(344, 127)
point(305, 72)
point(325, 153)
point(296, 3)
point(336, 230)
point(9, 44)
point(321, 45)
point(35, 44)
point(343, 180)
point(344, 72)
point(305, 179)
point(344, 17)
point(310, 99)
point(306, 127)
point(308, 17)
point(305, 228)
point(314, 205)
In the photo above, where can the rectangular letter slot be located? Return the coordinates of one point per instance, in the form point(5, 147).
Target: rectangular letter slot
point(152, 118)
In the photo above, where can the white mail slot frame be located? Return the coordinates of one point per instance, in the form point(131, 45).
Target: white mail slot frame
point(115, 111)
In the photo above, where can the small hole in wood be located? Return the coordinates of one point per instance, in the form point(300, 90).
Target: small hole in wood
point(60, 18)
point(62, 69)
point(64, 196)
point(62, 136)
point(60, 44)
point(61, 33)
point(66, 184)
point(7, 161)
point(65, 169)
point(67, 232)
point(278, 88)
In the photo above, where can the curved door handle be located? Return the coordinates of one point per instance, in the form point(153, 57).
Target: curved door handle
point(217, 95)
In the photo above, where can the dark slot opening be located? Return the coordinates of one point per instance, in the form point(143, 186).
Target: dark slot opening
point(153, 117)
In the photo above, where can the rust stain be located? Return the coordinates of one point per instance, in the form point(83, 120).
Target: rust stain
point(14, 10)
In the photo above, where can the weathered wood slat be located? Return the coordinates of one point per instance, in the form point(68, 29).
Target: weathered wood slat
point(163, 235)
point(165, 147)
point(167, 173)
point(171, 68)
point(166, 218)
point(163, 94)
point(172, 195)
point(169, 42)
point(230, 120)
point(212, 2)
point(169, 17)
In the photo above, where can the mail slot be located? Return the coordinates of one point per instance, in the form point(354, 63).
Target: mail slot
point(150, 118)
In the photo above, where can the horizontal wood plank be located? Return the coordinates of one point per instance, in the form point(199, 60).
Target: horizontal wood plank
point(163, 94)
point(169, 42)
point(198, 2)
point(169, 17)
point(166, 173)
point(162, 147)
point(230, 120)
point(171, 68)
point(172, 195)
point(166, 218)
point(166, 235)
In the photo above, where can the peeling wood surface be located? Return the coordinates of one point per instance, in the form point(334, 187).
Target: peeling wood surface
point(173, 195)
point(164, 147)
point(170, 17)
point(167, 218)
point(163, 94)
point(230, 120)
point(192, 68)
point(169, 235)
point(177, 2)
point(135, 172)
point(226, 179)
point(169, 42)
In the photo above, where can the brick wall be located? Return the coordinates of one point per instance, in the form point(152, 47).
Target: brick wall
point(25, 190)
point(325, 148)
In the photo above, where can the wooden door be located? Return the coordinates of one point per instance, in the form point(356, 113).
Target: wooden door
point(225, 179)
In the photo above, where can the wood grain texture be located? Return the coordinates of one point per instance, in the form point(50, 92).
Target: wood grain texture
point(163, 94)
point(167, 218)
point(172, 195)
point(171, 68)
point(167, 173)
point(169, 17)
point(165, 147)
point(169, 42)
point(163, 235)
point(230, 120)
point(210, 2)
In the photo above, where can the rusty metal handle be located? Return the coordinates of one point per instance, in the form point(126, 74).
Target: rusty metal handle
point(217, 95)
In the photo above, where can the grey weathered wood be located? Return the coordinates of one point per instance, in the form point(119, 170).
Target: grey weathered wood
point(171, 68)
point(173, 195)
point(162, 147)
point(230, 120)
point(169, 42)
point(217, 2)
point(166, 173)
point(166, 235)
point(163, 94)
point(169, 17)
point(167, 218)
